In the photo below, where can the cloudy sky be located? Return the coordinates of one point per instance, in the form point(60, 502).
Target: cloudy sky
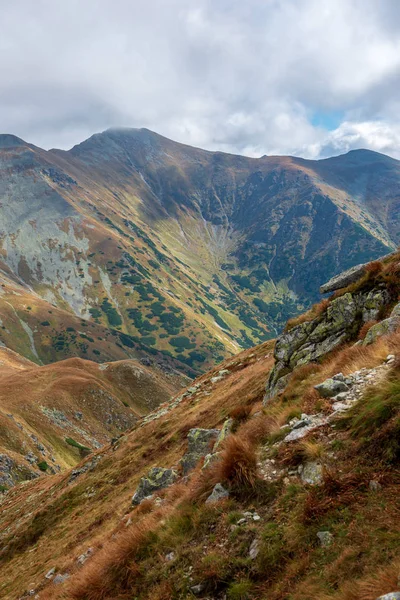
point(305, 77)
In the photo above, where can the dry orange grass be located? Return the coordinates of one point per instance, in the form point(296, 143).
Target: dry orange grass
point(113, 570)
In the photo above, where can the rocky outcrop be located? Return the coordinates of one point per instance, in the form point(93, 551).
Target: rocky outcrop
point(347, 277)
point(156, 479)
point(311, 340)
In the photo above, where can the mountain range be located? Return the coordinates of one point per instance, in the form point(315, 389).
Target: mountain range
point(131, 246)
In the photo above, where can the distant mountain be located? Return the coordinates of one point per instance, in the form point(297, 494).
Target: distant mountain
point(51, 416)
point(132, 245)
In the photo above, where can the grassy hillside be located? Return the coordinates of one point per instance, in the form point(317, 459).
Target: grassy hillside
point(312, 511)
point(52, 416)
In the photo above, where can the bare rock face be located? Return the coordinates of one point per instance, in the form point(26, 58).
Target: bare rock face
point(313, 339)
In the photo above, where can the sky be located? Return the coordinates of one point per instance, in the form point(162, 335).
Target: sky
point(311, 78)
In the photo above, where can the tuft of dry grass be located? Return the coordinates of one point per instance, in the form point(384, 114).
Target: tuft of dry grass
point(365, 328)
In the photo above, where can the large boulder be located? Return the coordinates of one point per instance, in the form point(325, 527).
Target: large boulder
point(156, 479)
point(199, 445)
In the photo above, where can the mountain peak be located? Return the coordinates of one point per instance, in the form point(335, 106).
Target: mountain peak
point(7, 140)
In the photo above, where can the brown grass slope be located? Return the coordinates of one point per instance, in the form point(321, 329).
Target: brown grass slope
point(51, 522)
point(74, 399)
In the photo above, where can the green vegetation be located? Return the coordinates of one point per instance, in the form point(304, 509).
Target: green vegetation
point(84, 450)
point(113, 317)
point(43, 466)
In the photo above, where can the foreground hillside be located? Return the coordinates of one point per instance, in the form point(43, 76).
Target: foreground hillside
point(52, 416)
point(296, 499)
point(151, 244)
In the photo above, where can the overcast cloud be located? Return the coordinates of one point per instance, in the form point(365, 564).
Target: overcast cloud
point(305, 77)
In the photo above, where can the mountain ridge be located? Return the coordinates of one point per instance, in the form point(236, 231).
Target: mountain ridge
point(134, 227)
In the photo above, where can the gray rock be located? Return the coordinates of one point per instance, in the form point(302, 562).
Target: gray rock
point(199, 442)
point(325, 538)
point(210, 459)
point(223, 434)
point(338, 377)
point(60, 578)
point(343, 279)
point(197, 589)
point(347, 277)
point(396, 311)
point(254, 549)
point(331, 387)
point(311, 472)
point(340, 397)
point(383, 328)
point(218, 493)
point(170, 556)
point(50, 574)
point(156, 479)
point(311, 340)
point(391, 596)
point(374, 485)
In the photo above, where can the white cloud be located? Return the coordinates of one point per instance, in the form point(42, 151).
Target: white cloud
point(243, 77)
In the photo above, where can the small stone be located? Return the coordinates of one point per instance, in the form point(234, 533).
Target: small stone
point(340, 407)
point(170, 556)
point(391, 596)
point(256, 518)
point(390, 357)
point(374, 485)
point(60, 578)
point(218, 493)
point(340, 397)
point(254, 549)
point(241, 521)
point(325, 538)
point(338, 377)
point(197, 589)
point(50, 574)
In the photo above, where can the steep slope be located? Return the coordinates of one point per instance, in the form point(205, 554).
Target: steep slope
point(53, 415)
point(308, 485)
point(194, 253)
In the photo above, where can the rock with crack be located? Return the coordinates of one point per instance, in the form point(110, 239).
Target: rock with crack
point(156, 479)
point(199, 442)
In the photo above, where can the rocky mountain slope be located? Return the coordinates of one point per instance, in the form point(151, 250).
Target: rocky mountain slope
point(154, 244)
point(225, 493)
point(51, 416)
